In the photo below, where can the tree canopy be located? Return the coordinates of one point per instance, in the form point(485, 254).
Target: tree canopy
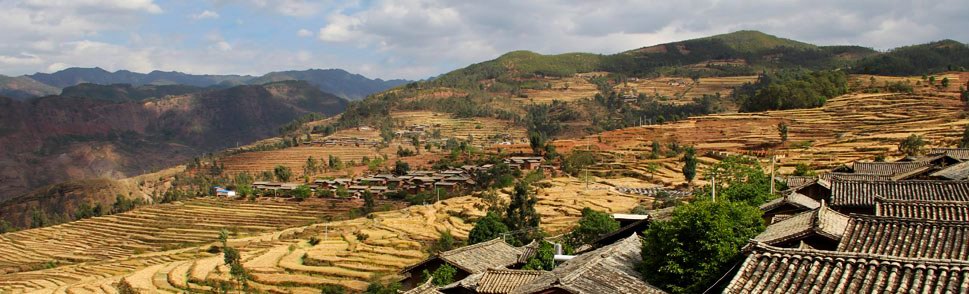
point(592, 225)
point(791, 89)
point(692, 250)
point(487, 228)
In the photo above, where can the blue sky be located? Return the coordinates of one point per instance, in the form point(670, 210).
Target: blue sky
point(415, 39)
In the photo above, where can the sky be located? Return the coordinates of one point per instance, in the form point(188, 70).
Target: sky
point(417, 39)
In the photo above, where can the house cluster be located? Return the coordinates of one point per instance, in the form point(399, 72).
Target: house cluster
point(343, 141)
point(899, 227)
point(606, 266)
point(450, 181)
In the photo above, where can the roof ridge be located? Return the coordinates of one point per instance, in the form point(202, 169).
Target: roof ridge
point(849, 256)
point(896, 219)
point(599, 255)
point(881, 199)
point(473, 246)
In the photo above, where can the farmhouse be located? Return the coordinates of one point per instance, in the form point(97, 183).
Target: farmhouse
point(223, 192)
point(468, 260)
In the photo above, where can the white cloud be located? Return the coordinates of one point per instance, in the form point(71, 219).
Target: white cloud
point(304, 33)
point(223, 46)
point(298, 8)
point(207, 14)
point(111, 5)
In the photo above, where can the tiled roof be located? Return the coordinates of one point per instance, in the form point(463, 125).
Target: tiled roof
point(888, 168)
point(862, 193)
point(482, 256)
point(956, 172)
point(504, 281)
point(936, 210)
point(425, 288)
point(793, 198)
point(822, 221)
point(797, 181)
point(958, 153)
point(854, 177)
point(770, 269)
point(610, 269)
point(905, 237)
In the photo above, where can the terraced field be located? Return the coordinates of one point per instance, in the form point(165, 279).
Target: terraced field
point(295, 157)
point(480, 128)
point(848, 128)
point(561, 89)
point(683, 90)
point(145, 236)
point(351, 253)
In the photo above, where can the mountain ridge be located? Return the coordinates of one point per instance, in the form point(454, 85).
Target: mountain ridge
point(340, 82)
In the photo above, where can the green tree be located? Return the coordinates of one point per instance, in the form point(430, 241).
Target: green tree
point(487, 228)
point(282, 173)
point(782, 130)
point(521, 216)
point(932, 80)
point(537, 142)
point(368, 202)
point(544, 258)
point(656, 150)
point(802, 169)
point(945, 82)
point(739, 179)
point(689, 164)
point(378, 288)
point(445, 242)
point(592, 225)
point(652, 168)
point(124, 287)
point(332, 289)
point(693, 249)
point(443, 275)
point(401, 168)
point(912, 145)
point(302, 192)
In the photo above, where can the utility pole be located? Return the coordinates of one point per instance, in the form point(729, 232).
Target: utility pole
point(714, 185)
point(772, 174)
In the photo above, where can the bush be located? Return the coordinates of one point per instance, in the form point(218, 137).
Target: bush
point(314, 240)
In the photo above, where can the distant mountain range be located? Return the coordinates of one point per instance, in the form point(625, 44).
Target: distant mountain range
point(58, 138)
point(336, 81)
